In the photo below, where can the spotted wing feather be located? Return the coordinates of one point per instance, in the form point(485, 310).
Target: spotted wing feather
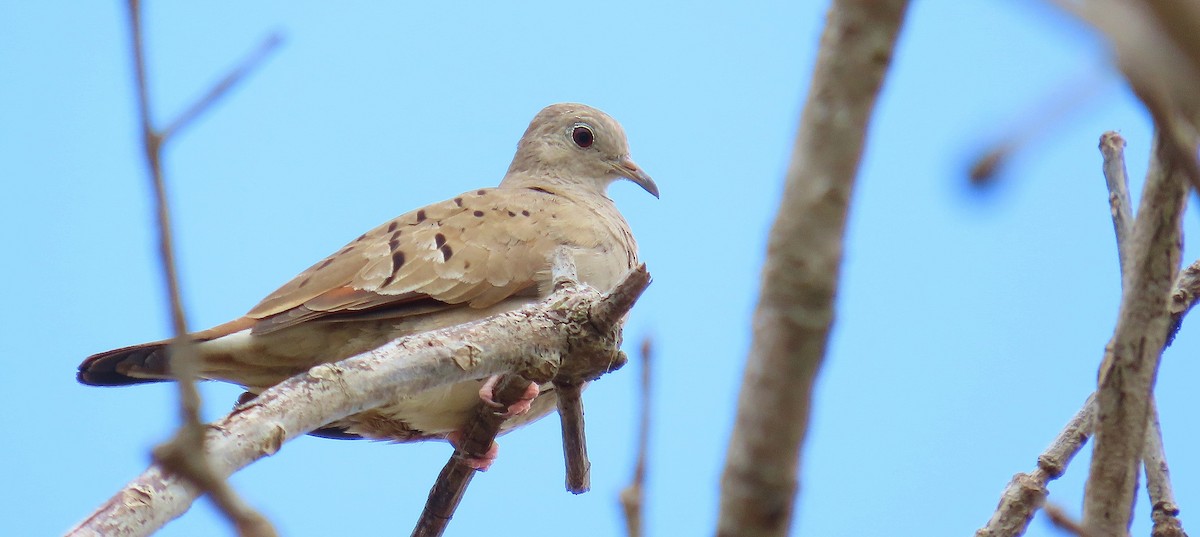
point(476, 249)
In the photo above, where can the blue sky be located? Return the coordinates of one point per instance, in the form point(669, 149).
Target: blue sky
point(970, 324)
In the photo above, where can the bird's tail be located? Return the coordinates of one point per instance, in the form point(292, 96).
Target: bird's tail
point(129, 365)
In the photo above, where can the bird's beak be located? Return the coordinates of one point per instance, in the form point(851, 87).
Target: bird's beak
point(629, 169)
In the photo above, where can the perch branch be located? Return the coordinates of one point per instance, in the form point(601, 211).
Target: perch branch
point(533, 341)
point(795, 308)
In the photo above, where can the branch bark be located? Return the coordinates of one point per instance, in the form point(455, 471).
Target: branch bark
point(532, 341)
point(1127, 375)
point(795, 309)
point(1026, 493)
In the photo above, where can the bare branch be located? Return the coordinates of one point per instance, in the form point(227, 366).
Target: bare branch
point(533, 341)
point(1026, 493)
point(1112, 147)
point(1131, 362)
point(631, 496)
point(1164, 511)
point(184, 453)
point(570, 412)
point(800, 275)
point(249, 64)
point(478, 438)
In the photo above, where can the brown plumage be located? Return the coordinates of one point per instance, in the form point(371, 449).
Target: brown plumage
point(477, 254)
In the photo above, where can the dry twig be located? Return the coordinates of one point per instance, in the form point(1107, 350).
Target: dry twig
point(183, 455)
point(800, 275)
point(1164, 511)
point(533, 341)
point(631, 497)
point(1112, 148)
point(1027, 492)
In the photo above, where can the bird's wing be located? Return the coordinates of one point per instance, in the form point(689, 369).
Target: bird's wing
point(474, 250)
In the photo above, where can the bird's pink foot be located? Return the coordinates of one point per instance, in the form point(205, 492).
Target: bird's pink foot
point(482, 462)
point(487, 391)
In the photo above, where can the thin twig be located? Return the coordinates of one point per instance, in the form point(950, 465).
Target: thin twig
point(477, 439)
point(632, 496)
point(795, 310)
point(1112, 147)
point(570, 411)
point(1063, 521)
point(1164, 511)
point(1036, 120)
point(1131, 361)
point(247, 65)
point(1027, 492)
point(184, 453)
point(533, 340)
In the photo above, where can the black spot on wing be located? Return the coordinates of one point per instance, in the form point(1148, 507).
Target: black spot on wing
point(446, 252)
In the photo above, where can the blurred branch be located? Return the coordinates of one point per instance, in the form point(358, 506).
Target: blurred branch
point(478, 437)
point(1036, 120)
point(631, 497)
point(1127, 374)
point(1064, 522)
point(183, 455)
point(1154, 45)
point(535, 341)
point(800, 275)
point(1026, 493)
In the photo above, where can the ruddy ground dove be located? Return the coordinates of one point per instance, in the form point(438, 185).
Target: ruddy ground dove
point(480, 253)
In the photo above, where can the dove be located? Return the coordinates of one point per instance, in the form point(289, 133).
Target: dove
point(480, 253)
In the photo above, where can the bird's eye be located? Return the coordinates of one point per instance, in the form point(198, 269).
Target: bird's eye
point(583, 136)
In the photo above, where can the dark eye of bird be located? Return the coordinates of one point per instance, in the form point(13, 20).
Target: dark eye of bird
point(583, 136)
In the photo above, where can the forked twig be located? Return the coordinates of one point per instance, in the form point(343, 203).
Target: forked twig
point(184, 453)
point(632, 496)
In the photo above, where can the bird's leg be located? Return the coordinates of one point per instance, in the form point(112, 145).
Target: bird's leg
point(478, 461)
point(487, 394)
point(466, 447)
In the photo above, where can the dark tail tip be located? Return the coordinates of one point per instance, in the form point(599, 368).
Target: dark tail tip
point(138, 364)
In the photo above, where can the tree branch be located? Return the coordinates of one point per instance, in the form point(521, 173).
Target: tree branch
point(1026, 493)
point(184, 453)
point(631, 497)
point(532, 341)
point(795, 308)
point(1112, 148)
point(1127, 375)
point(1164, 511)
